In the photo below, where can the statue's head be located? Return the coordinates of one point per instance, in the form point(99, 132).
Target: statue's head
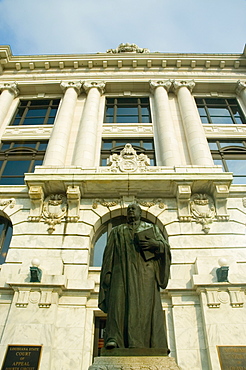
point(133, 212)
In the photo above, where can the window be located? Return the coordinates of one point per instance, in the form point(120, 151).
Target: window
point(100, 324)
point(19, 157)
point(101, 241)
point(145, 146)
point(220, 111)
point(36, 112)
point(6, 231)
point(127, 110)
point(231, 155)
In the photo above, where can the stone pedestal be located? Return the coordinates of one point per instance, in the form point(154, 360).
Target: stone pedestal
point(134, 363)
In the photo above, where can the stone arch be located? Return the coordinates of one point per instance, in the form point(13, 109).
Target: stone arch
point(114, 214)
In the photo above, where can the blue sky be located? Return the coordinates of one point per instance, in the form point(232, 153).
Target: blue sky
point(90, 26)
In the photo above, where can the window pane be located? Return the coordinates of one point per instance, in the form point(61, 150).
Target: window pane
point(107, 144)
point(222, 120)
point(40, 102)
point(224, 144)
point(204, 120)
point(43, 145)
point(110, 111)
point(219, 162)
point(239, 180)
point(33, 121)
point(36, 112)
point(16, 167)
point(213, 145)
point(148, 145)
point(128, 111)
point(12, 180)
point(237, 166)
point(25, 144)
point(127, 119)
point(99, 249)
point(219, 112)
point(238, 120)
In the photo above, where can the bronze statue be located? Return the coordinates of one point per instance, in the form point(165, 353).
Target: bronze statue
point(136, 265)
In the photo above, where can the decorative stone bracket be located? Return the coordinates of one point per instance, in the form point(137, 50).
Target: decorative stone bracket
point(42, 297)
point(55, 207)
point(217, 296)
point(202, 207)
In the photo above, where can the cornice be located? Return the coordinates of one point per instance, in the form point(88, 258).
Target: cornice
point(123, 61)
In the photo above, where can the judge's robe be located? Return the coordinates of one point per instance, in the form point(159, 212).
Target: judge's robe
point(132, 299)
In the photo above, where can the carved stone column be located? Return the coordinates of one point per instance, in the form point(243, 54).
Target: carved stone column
point(87, 136)
point(57, 147)
point(166, 138)
point(241, 91)
point(195, 136)
point(9, 91)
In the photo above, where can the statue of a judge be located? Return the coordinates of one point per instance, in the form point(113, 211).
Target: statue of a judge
point(136, 265)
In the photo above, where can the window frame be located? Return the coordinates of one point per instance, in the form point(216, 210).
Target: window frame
point(20, 152)
point(230, 152)
point(225, 102)
point(27, 105)
point(117, 102)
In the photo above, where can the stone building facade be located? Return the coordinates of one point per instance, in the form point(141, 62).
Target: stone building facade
point(82, 136)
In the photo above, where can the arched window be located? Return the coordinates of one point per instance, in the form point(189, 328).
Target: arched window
point(6, 230)
point(102, 237)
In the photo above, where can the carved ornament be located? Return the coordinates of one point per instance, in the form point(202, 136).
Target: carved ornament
point(7, 202)
point(151, 203)
point(90, 84)
point(54, 210)
point(75, 84)
point(128, 48)
point(241, 85)
point(189, 84)
point(154, 84)
point(11, 87)
point(105, 203)
point(202, 210)
point(128, 161)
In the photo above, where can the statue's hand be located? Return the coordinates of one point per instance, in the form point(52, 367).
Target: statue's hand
point(150, 244)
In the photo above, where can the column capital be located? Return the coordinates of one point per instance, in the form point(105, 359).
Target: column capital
point(241, 85)
point(178, 84)
point(75, 84)
point(11, 87)
point(87, 85)
point(155, 83)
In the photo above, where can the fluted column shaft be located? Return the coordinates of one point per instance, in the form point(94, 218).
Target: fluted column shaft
point(8, 92)
point(57, 147)
point(167, 142)
point(87, 137)
point(241, 91)
point(195, 136)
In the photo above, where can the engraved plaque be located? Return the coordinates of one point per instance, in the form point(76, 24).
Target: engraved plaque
point(22, 357)
point(232, 357)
